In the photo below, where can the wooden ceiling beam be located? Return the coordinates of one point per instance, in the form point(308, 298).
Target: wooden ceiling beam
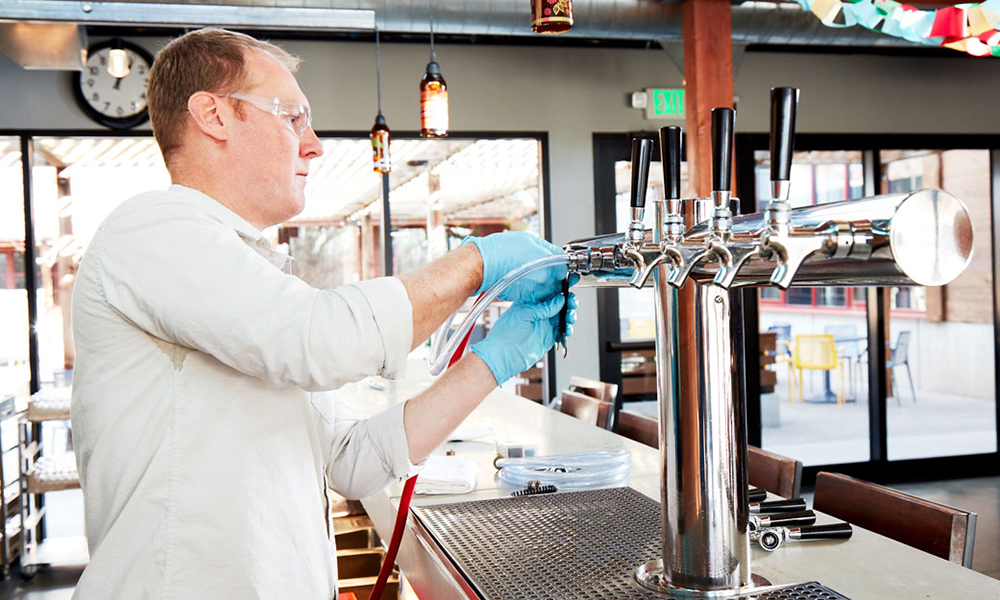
point(708, 80)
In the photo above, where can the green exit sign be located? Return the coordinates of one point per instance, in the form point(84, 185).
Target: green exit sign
point(664, 103)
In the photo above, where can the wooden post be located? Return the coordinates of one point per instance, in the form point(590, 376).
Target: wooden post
point(708, 81)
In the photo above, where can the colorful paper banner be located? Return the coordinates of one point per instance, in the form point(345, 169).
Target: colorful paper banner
point(973, 28)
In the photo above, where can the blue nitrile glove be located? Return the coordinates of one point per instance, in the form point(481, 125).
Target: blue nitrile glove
point(522, 335)
point(503, 252)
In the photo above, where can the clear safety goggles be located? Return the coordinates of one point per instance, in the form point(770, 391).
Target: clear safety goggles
point(296, 116)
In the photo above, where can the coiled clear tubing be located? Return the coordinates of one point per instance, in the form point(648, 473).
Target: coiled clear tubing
point(444, 346)
point(568, 471)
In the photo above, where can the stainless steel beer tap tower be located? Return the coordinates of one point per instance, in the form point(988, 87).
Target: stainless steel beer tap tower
point(695, 253)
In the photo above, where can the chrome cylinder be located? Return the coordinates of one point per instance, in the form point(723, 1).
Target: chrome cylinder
point(667, 391)
point(706, 546)
point(919, 238)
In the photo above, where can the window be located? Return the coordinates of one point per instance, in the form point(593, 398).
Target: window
point(940, 362)
point(76, 182)
point(15, 376)
point(803, 397)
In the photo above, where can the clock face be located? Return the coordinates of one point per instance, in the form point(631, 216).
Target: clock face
point(116, 102)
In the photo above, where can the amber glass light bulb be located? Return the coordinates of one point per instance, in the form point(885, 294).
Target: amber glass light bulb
point(551, 16)
point(380, 145)
point(433, 102)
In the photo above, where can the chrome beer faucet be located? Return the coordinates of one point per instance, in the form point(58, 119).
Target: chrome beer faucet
point(669, 224)
point(699, 246)
point(782, 243)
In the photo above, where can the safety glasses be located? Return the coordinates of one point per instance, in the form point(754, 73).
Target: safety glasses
point(296, 116)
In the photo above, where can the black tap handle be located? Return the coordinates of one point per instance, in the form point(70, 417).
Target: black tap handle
point(778, 506)
point(757, 495)
point(642, 153)
point(670, 155)
point(802, 517)
point(783, 104)
point(834, 531)
point(723, 121)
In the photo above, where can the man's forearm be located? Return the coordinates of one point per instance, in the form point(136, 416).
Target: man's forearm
point(429, 417)
point(437, 289)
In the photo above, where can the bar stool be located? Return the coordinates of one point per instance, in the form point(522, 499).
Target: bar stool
point(943, 531)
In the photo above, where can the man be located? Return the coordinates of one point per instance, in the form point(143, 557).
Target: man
point(204, 456)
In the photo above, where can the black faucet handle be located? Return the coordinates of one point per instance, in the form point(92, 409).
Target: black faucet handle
point(642, 154)
point(784, 102)
point(670, 155)
point(723, 122)
point(833, 531)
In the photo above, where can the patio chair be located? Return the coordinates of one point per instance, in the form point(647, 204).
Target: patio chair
point(817, 352)
point(900, 356)
point(848, 349)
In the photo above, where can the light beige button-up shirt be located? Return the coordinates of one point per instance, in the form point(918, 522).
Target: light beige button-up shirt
point(202, 448)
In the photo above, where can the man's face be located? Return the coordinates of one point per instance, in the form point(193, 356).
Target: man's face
point(273, 158)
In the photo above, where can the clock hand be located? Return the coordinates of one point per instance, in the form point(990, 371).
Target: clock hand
point(118, 83)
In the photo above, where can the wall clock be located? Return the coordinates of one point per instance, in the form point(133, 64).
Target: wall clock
point(116, 102)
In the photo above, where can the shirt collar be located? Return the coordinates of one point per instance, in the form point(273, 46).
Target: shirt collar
point(250, 234)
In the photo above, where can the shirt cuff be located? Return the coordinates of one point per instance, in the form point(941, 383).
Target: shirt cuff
point(389, 434)
point(390, 305)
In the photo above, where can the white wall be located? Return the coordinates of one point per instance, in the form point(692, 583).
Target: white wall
point(571, 93)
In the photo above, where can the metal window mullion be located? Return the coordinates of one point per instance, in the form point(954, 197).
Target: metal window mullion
point(876, 316)
point(994, 231)
point(30, 284)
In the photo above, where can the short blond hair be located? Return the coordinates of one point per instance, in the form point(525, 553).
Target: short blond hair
point(205, 60)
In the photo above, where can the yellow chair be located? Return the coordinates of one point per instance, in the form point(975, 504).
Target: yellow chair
point(817, 352)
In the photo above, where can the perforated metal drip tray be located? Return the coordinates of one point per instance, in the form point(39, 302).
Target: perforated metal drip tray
point(571, 545)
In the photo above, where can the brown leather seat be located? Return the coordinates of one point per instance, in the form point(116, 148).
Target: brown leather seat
point(585, 408)
point(943, 531)
point(641, 428)
point(605, 392)
point(775, 473)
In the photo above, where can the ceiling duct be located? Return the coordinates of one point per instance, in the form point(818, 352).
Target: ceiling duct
point(44, 45)
point(636, 20)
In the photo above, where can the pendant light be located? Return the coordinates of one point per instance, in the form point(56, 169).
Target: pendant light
point(433, 95)
point(551, 16)
point(117, 60)
point(380, 131)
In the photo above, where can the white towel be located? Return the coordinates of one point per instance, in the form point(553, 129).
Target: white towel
point(446, 475)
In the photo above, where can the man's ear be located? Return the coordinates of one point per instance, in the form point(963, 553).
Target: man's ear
point(210, 116)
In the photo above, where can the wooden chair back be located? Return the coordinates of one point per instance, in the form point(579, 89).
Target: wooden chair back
point(775, 473)
point(605, 392)
point(641, 428)
point(585, 408)
point(943, 531)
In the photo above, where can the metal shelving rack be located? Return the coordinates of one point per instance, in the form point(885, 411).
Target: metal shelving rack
point(35, 481)
point(10, 487)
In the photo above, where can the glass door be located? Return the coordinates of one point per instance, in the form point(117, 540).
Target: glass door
point(15, 374)
point(810, 411)
point(941, 387)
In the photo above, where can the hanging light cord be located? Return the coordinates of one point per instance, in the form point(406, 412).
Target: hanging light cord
point(431, 5)
point(378, 70)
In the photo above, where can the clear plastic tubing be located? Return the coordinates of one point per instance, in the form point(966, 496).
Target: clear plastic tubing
point(568, 471)
point(442, 349)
